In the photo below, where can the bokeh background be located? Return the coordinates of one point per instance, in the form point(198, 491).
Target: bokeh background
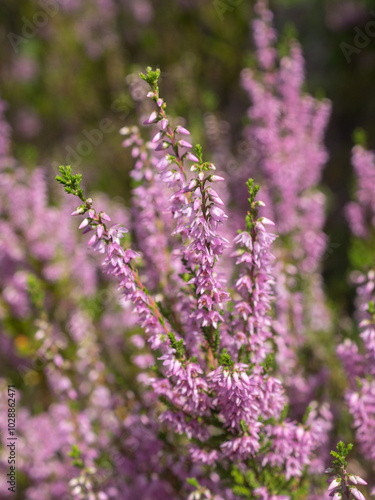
point(67, 65)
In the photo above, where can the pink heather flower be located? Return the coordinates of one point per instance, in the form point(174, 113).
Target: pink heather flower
point(84, 223)
point(184, 144)
point(152, 118)
point(363, 208)
point(335, 483)
point(182, 131)
point(192, 157)
point(218, 214)
point(162, 145)
point(157, 137)
point(356, 493)
point(78, 211)
point(236, 396)
point(200, 456)
point(356, 479)
point(104, 216)
point(100, 230)
point(337, 495)
point(243, 447)
point(263, 494)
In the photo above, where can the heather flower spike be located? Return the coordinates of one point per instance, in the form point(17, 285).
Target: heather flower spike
point(340, 481)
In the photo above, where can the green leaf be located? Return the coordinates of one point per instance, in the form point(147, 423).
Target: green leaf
point(177, 345)
point(193, 482)
point(360, 137)
point(225, 359)
point(152, 77)
point(242, 491)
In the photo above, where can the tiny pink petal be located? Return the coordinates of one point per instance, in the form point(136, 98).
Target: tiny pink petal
point(182, 130)
point(104, 216)
point(84, 223)
point(93, 239)
point(157, 137)
point(356, 493)
point(192, 157)
point(151, 119)
point(358, 479)
point(100, 230)
point(184, 144)
point(334, 484)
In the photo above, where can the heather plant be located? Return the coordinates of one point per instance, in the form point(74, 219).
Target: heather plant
point(216, 380)
point(285, 139)
point(52, 313)
point(358, 354)
point(342, 482)
point(193, 367)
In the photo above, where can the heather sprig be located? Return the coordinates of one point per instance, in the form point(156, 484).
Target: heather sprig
point(341, 483)
point(118, 261)
point(286, 153)
point(255, 283)
point(196, 205)
point(71, 182)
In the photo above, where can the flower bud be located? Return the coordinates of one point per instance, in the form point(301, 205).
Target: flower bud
point(184, 144)
point(182, 130)
point(84, 223)
point(192, 157)
point(152, 118)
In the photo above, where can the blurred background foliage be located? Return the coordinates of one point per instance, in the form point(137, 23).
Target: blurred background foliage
point(66, 65)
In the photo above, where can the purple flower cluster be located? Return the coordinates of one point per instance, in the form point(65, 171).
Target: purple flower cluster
point(284, 145)
point(214, 374)
point(361, 212)
point(187, 381)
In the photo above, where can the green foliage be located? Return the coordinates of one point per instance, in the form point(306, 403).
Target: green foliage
point(242, 491)
point(216, 340)
point(151, 78)
point(253, 191)
point(287, 37)
point(371, 308)
point(76, 454)
point(244, 427)
point(225, 359)
point(360, 137)
point(252, 214)
point(35, 289)
point(284, 413)
point(177, 345)
point(341, 454)
point(198, 152)
point(212, 337)
point(251, 479)
point(193, 482)
point(237, 476)
point(306, 415)
point(269, 362)
point(71, 182)
point(361, 252)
